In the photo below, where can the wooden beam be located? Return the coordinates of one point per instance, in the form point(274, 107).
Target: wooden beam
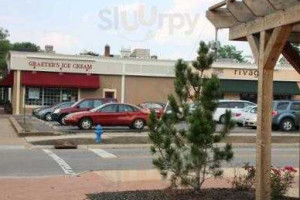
point(271, 45)
point(292, 56)
point(279, 18)
point(259, 8)
point(283, 4)
point(221, 18)
point(218, 5)
point(275, 45)
point(254, 45)
point(264, 120)
point(240, 11)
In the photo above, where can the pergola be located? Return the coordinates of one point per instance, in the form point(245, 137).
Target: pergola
point(270, 27)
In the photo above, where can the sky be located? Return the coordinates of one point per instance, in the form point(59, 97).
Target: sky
point(172, 29)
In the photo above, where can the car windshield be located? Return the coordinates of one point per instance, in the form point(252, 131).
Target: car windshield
point(98, 108)
point(247, 108)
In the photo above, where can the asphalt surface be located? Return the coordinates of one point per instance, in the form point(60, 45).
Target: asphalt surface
point(42, 126)
point(21, 162)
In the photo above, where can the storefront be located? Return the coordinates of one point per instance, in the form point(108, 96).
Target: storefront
point(40, 79)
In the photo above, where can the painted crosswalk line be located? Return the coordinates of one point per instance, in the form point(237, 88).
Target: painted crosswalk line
point(102, 153)
point(64, 166)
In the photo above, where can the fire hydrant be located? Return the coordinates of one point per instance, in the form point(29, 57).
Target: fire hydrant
point(98, 132)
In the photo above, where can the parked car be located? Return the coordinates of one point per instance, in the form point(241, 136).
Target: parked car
point(46, 113)
point(238, 116)
point(233, 105)
point(286, 115)
point(112, 114)
point(157, 107)
point(250, 117)
point(36, 110)
point(59, 115)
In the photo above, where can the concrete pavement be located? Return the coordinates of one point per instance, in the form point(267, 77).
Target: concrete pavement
point(8, 135)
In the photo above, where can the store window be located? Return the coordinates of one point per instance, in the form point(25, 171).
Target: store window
point(49, 96)
point(109, 93)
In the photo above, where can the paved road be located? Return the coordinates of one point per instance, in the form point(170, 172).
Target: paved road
point(18, 162)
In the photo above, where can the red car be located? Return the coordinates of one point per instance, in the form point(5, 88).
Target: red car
point(59, 115)
point(157, 107)
point(112, 114)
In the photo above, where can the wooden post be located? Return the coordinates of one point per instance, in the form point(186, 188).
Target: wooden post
point(270, 44)
point(263, 137)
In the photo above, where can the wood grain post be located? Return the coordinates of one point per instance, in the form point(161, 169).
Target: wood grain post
point(263, 137)
point(270, 44)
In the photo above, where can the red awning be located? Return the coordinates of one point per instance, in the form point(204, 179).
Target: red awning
point(65, 80)
point(7, 81)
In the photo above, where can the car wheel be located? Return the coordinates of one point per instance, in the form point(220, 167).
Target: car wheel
point(85, 124)
point(48, 117)
point(240, 124)
point(287, 124)
point(222, 119)
point(62, 119)
point(138, 124)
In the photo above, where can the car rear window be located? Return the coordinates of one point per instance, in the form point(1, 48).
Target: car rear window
point(295, 106)
point(223, 105)
point(236, 105)
point(282, 105)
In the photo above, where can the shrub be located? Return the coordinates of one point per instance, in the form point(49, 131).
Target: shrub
point(189, 156)
point(281, 180)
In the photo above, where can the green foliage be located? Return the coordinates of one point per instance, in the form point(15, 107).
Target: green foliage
point(89, 53)
point(25, 46)
point(6, 46)
point(3, 34)
point(188, 156)
point(282, 180)
point(230, 51)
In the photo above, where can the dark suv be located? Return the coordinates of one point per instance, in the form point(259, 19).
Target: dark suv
point(286, 114)
point(59, 115)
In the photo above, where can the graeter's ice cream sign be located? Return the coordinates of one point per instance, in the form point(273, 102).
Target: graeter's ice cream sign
point(61, 66)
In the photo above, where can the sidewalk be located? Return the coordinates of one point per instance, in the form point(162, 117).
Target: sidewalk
point(76, 187)
point(8, 135)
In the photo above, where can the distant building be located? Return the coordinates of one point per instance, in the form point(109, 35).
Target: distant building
point(40, 79)
point(141, 54)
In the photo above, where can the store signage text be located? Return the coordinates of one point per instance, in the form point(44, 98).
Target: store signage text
point(61, 65)
point(246, 72)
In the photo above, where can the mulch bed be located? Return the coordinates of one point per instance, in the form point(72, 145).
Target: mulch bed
point(206, 194)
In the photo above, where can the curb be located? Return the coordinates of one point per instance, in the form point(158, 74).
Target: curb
point(24, 133)
point(16, 125)
point(144, 140)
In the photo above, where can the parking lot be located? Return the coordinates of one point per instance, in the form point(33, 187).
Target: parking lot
point(55, 126)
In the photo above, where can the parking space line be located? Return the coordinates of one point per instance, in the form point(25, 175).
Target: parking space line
point(64, 166)
point(102, 153)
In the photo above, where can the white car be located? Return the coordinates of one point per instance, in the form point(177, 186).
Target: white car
point(250, 119)
point(233, 105)
point(238, 116)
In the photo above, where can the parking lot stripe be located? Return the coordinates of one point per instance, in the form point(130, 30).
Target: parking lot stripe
point(64, 166)
point(102, 153)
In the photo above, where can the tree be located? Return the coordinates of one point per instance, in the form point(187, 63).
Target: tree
point(230, 51)
point(25, 46)
point(4, 48)
point(191, 155)
point(89, 53)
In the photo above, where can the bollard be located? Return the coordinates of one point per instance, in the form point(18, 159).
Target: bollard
point(98, 132)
